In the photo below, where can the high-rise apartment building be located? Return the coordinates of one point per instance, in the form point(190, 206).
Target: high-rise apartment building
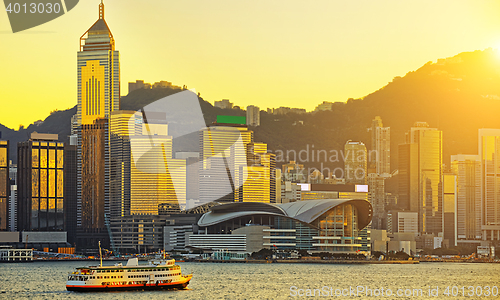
point(40, 179)
point(381, 145)
point(420, 172)
point(467, 168)
point(253, 115)
point(355, 164)
point(4, 185)
point(98, 74)
point(376, 187)
point(489, 153)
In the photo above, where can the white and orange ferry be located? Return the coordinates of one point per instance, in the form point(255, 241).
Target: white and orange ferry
point(157, 274)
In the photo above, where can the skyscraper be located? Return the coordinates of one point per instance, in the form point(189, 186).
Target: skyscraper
point(355, 164)
point(98, 90)
point(146, 180)
point(467, 168)
point(376, 187)
point(4, 185)
point(13, 197)
point(448, 198)
point(223, 149)
point(98, 70)
point(260, 183)
point(408, 177)
point(40, 184)
point(421, 168)
point(70, 192)
point(489, 152)
point(234, 168)
point(381, 144)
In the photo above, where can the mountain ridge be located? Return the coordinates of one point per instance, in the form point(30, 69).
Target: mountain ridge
point(457, 95)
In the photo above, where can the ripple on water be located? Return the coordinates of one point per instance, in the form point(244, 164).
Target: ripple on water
point(46, 280)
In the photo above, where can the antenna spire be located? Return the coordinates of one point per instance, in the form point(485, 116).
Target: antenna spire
point(101, 10)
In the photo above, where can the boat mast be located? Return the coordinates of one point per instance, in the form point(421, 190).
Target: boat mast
point(100, 252)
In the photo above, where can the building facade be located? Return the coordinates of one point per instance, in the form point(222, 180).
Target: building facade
point(234, 168)
point(253, 115)
point(70, 192)
point(331, 225)
point(489, 152)
point(224, 104)
point(420, 175)
point(13, 198)
point(376, 187)
point(293, 172)
point(98, 94)
point(98, 67)
point(402, 222)
point(356, 163)
point(381, 145)
point(448, 198)
point(4, 186)
point(40, 177)
point(146, 180)
point(467, 168)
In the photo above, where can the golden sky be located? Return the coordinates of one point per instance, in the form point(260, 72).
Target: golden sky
point(268, 53)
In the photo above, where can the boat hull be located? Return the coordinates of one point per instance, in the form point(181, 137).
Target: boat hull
point(131, 287)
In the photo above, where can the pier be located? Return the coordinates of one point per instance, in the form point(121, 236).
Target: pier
point(16, 255)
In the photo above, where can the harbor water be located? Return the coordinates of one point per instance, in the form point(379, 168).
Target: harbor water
point(46, 280)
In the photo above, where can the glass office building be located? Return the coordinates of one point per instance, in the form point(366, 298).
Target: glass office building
point(41, 184)
point(98, 94)
point(4, 185)
point(421, 160)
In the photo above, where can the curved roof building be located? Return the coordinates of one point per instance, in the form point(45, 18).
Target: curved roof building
point(320, 225)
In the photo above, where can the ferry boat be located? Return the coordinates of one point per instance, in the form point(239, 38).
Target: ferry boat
point(157, 274)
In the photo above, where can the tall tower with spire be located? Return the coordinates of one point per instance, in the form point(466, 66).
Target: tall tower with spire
point(98, 73)
point(98, 68)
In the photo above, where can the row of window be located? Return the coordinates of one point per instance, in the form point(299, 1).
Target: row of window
point(139, 270)
point(104, 277)
point(163, 275)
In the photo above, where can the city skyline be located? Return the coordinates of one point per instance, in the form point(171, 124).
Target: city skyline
point(319, 56)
